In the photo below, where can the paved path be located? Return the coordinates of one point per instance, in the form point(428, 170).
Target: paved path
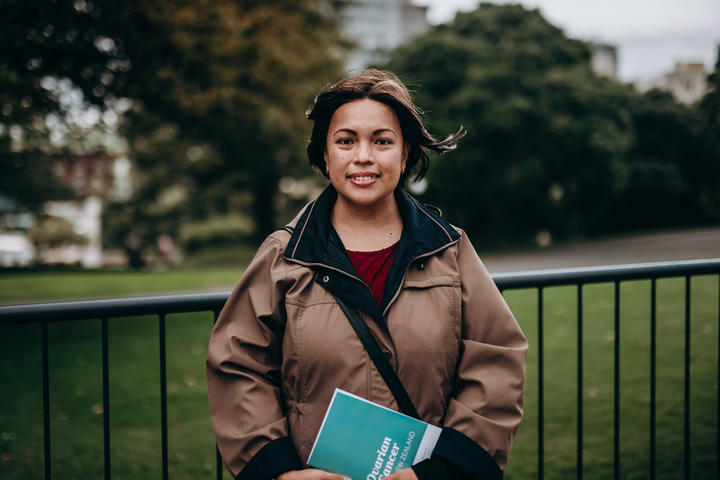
point(684, 245)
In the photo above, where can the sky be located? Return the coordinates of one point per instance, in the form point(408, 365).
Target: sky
point(651, 35)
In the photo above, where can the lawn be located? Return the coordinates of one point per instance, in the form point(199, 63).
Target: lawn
point(76, 396)
point(560, 375)
point(38, 286)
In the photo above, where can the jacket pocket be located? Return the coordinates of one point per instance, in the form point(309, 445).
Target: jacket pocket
point(440, 296)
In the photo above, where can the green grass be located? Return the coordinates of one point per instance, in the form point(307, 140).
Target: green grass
point(76, 396)
point(560, 375)
point(35, 286)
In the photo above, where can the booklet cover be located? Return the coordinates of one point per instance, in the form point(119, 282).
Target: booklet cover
point(366, 441)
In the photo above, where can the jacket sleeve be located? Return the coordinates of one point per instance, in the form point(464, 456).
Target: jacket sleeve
point(243, 372)
point(485, 408)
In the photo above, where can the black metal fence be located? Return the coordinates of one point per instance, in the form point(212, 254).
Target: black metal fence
point(103, 310)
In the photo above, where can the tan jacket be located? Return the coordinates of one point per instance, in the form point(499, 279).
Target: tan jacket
point(282, 345)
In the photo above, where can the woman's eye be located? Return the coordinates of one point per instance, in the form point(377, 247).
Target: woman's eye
point(345, 141)
point(383, 141)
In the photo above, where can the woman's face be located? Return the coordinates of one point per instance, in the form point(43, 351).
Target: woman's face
point(365, 154)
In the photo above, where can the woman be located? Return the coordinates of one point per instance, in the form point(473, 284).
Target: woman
point(282, 344)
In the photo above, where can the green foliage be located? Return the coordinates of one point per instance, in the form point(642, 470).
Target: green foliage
point(663, 165)
point(211, 94)
point(550, 146)
point(27, 178)
point(709, 112)
point(41, 41)
point(215, 232)
point(51, 232)
point(223, 115)
point(544, 132)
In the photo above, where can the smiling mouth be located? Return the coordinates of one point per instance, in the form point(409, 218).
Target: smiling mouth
point(363, 179)
point(363, 175)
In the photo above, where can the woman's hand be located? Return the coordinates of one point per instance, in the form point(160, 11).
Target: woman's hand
point(404, 474)
point(311, 474)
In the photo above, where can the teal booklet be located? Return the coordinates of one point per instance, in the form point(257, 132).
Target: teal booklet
point(366, 441)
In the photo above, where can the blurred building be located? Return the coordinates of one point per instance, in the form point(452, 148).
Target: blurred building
point(604, 59)
point(688, 82)
point(86, 175)
point(86, 219)
point(15, 250)
point(94, 179)
point(377, 26)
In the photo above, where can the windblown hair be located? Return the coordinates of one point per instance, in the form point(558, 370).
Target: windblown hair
point(387, 88)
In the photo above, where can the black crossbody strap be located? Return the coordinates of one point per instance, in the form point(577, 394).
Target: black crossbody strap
point(381, 363)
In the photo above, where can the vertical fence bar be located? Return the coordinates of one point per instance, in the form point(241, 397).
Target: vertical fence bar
point(579, 382)
point(218, 458)
point(717, 406)
point(616, 390)
point(46, 399)
point(541, 400)
point(686, 456)
point(163, 396)
point(106, 397)
point(653, 293)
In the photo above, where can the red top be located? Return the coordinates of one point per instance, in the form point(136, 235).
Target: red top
point(373, 268)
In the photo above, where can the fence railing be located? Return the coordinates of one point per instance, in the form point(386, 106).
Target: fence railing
point(103, 310)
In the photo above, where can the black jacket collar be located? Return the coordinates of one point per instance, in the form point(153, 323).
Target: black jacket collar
point(315, 243)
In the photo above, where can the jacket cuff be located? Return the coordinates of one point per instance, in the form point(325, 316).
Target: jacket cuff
point(276, 457)
point(470, 457)
point(436, 468)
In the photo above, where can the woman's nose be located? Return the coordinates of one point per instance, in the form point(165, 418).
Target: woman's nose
point(363, 153)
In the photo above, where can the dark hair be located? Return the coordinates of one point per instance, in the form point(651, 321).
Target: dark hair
point(387, 88)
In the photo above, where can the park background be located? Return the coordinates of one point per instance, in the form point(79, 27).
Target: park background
point(180, 127)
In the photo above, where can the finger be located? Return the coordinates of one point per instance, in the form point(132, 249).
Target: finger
point(335, 476)
point(324, 475)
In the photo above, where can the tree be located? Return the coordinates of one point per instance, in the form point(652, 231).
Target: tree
point(546, 139)
point(662, 167)
point(210, 93)
point(708, 174)
point(39, 43)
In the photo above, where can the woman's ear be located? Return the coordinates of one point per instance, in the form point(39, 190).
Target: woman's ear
point(325, 157)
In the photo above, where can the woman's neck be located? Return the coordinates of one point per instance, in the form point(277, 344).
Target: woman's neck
point(367, 229)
